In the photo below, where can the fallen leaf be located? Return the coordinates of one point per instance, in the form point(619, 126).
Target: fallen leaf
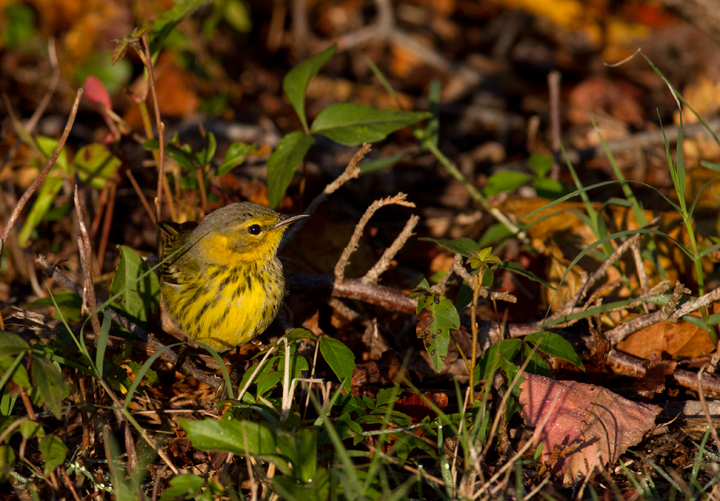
point(669, 340)
point(586, 427)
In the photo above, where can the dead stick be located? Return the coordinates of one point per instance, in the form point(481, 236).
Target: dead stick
point(44, 172)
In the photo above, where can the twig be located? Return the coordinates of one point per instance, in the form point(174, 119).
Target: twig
point(109, 212)
point(44, 172)
point(640, 268)
point(398, 199)
point(89, 301)
point(140, 194)
point(701, 395)
point(667, 312)
point(458, 268)
point(161, 135)
point(383, 263)
point(352, 171)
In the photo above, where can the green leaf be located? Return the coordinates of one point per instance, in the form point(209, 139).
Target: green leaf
point(300, 447)
point(463, 246)
point(68, 303)
point(536, 365)
point(236, 154)
point(7, 462)
point(339, 357)
point(163, 26)
point(317, 490)
point(436, 316)
point(31, 429)
point(266, 382)
point(498, 356)
point(493, 235)
point(296, 81)
point(380, 163)
point(12, 344)
point(45, 197)
point(49, 381)
point(229, 436)
point(353, 124)
point(540, 164)
point(53, 451)
point(187, 486)
point(504, 181)
point(205, 156)
point(556, 346)
point(516, 268)
point(548, 188)
point(299, 333)
point(96, 165)
point(18, 372)
point(140, 300)
point(283, 162)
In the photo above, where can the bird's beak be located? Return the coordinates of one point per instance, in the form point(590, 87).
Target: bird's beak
point(288, 220)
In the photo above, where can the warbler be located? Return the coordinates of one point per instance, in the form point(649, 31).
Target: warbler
point(222, 282)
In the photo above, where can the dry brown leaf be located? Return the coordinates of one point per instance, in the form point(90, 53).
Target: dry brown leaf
point(669, 340)
point(588, 426)
point(618, 99)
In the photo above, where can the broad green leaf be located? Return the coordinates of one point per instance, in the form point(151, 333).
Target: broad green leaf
point(548, 188)
point(236, 155)
point(12, 344)
point(299, 333)
point(19, 373)
point(536, 365)
point(556, 346)
point(516, 268)
point(300, 447)
point(353, 124)
point(463, 246)
point(187, 486)
point(505, 181)
point(31, 429)
point(436, 316)
point(497, 356)
point(317, 490)
point(339, 357)
point(53, 451)
point(164, 25)
point(47, 145)
point(49, 382)
point(96, 165)
point(7, 462)
point(229, 436)
point(266, 382)
point(140, 299)
point(540, 164)
point(296, 81)
point(283, 162)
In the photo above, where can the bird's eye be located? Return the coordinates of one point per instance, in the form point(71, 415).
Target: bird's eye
point(255, 229)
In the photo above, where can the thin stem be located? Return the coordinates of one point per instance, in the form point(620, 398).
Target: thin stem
point(477, 280)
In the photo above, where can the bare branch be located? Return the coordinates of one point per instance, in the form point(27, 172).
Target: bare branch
point(399, 199)
point(89, 301)
point(382, 265)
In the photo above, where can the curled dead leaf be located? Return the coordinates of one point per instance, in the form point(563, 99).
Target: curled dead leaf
point(586, 426)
